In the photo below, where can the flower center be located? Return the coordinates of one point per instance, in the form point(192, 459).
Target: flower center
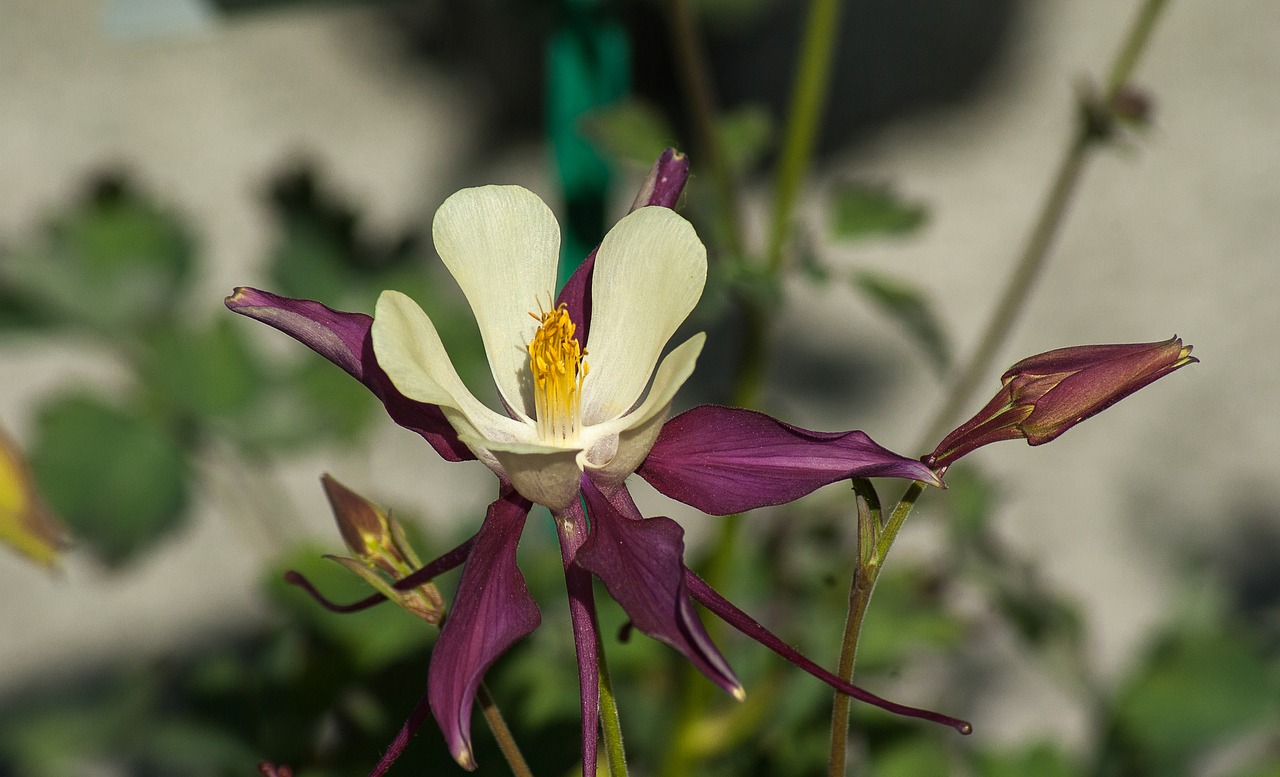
point(558, 366)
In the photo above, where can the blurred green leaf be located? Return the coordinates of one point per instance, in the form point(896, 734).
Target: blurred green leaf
point(1196, 691)
point(862, 211)
point(1039, 615)
point(1039, 760)
point(321, 253)
point(208, 373)
point(916, 756)
point(745, 136)
point(306, 263)
point(629, 131)
point(971, 501)
point(373, 638)
point(308, 402)
point(179, 747)
point(58, 735)
point(904, 617)
point(806, 258)
point(1269, 769)
point(116, 478)
point(114, 261)
point(17, 309)
point(909, 307)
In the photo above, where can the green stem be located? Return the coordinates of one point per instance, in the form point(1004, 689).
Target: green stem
point(700, 101)
point(506, 742)
point(1036, 252)
point(899, 516)
point(860, 590)
point(609, 721)
point(1132, 47)
point(859, 600)
point(808, 97)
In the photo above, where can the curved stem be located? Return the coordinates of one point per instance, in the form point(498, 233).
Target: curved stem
point(1036, 252)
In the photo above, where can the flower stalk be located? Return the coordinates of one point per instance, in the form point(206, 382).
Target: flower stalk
point(610, 723)
point(1097, 119)
point(860, 590)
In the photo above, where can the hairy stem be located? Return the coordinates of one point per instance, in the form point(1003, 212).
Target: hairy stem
point(498, 725)
point(860, 589)
point(609, 721)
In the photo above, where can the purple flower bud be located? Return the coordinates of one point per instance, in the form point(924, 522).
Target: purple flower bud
point(383, 555)
point(1047, 394)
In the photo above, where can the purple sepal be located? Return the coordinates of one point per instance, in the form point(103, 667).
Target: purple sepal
point(343, 338)
point(729, 613)
point(571, 525)
point(576, 297)
point(641, 562)
point(491, 611)
point(725, 460)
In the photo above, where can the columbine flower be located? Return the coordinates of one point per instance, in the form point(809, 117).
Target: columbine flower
point(1044, 395)
point(572, 371)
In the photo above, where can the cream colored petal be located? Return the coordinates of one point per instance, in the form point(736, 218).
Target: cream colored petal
point(409, 350)
point(649, 274)
point(543, 474)
point(502, 245)
point(637, 431)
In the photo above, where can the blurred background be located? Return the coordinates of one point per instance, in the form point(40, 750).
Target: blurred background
point(1109, 604)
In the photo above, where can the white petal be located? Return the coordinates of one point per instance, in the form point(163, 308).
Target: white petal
point(409, 350)
point(543, 474)
point(637, 431)
point(502, 245)
point(649, 274)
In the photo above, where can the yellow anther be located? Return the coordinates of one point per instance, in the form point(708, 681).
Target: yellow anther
point(556, 360)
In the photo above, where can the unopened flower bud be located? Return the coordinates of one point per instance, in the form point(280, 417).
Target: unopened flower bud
point(383, 554)
point(1047, 394)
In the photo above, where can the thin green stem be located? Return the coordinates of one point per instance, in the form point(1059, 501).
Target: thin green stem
point(609, 721)
point(860, 590)
point(1132, 48)
point(859, 599)
point(899, 516)
point(700, 101)
point(498, 725)
point(809, 93)
point(1036, 252)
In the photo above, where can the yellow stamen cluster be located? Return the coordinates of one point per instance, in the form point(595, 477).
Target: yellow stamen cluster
point(558, 366)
